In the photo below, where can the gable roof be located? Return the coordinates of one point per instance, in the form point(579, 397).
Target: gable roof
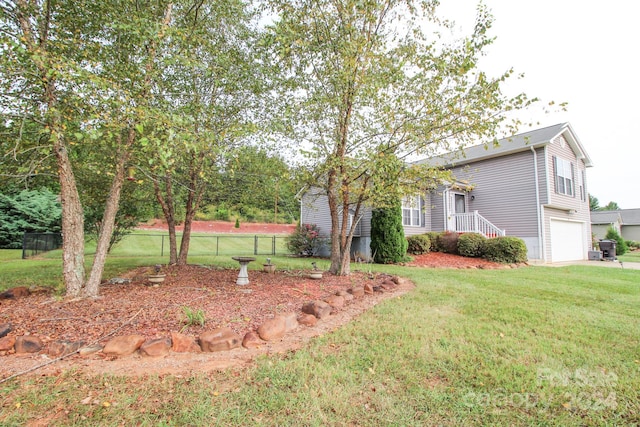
point(513, 144)
point(605, 217)
point(623, 216)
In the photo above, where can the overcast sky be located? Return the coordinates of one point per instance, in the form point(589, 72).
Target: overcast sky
point(581, 52)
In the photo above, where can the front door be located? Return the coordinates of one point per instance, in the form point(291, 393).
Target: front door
point(460, 205)
point(457, 205)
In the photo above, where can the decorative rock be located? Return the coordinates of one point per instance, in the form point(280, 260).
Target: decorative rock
point(62, 348)
point(368, 289)
point(273, 329)
point(307, 320)
point(28, 344)
point(156, 348)
point(252, 340)
point(388, 285)
point(346, 295)
point(291, 321)
point(318, 308)
point(184, 344)
point(90, 349)
point(335, 301)
point(17, 292)
point(124, 345)
point(5, 328)
point(7, 343)
point(357, 291)
point(220, 339)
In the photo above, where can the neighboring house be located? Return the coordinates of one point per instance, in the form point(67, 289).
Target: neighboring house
point(625, 221)
point(532, 186)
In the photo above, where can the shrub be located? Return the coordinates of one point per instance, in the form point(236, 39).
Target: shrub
point(471, 244)
point(433, 238)
point(507, 250)
point(632, 245)
point(388, 244)
point(621, 246)
point(419, 244)
point(305, 240)
point(448, 242)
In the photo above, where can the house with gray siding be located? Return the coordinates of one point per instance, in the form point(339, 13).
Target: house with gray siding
point(532, 186)
point(625, 221)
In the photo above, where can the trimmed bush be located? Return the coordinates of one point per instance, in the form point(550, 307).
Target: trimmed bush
point(419, 244)
point(471, 244)
point(433, 238)
point(388, 244)
point(506, 250)
point(621, 246)
point(448, 242)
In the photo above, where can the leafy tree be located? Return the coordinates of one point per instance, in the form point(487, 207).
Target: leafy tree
point(367, 83)
point(611, 206)
point(85, 73)
point(29, 211)
point(252, 178)
point(594, 204)
point(388, 244)
point(210, 81)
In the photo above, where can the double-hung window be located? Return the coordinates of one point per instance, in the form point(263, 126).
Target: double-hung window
point(564, 176)
point(411, 208)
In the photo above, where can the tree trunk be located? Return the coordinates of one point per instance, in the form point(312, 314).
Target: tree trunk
point(196, 190)
point(73, 272)
point(92, 287)
point(166, 203)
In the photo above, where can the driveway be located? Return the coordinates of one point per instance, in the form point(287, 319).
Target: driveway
point(609, 264)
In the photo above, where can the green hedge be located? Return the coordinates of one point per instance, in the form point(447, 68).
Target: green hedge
point(471, 244)
point(507, 250)
point(419, 244)
point(448, 242)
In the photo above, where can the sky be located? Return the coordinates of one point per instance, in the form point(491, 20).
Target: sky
point(585, 53)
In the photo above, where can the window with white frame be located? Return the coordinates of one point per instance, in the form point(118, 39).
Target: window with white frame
point(411, 208)
point(564, 176)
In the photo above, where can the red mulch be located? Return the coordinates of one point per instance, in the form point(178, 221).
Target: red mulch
point(442, 260)
point(159, 310)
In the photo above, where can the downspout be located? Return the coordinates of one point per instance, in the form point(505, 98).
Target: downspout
point(541, 250)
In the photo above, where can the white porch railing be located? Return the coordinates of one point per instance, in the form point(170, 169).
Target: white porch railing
point(473, 222)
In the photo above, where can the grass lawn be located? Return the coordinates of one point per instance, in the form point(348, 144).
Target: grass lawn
point(631, 256)
point(528, 346)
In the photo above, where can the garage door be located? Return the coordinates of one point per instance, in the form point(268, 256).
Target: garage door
point(567, 241)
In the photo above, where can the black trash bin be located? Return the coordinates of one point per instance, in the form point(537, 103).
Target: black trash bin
point(608, 248)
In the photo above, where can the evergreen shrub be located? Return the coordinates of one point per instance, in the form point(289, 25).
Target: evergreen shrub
point(471, 244)
point(433, 238)
point(506, 250)
point(448, 242)
point(621, 245)
point(388, 244)
point(418, 245)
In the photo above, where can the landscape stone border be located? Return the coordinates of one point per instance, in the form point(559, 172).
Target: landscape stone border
point(215, 340)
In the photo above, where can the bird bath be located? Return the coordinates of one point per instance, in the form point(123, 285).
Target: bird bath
point(243, 276)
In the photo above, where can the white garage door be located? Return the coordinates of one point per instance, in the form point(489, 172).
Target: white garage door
point(567, 241)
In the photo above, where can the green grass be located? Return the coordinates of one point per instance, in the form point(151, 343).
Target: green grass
point(143, 249)
point(631, 256)
point(528, 346)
